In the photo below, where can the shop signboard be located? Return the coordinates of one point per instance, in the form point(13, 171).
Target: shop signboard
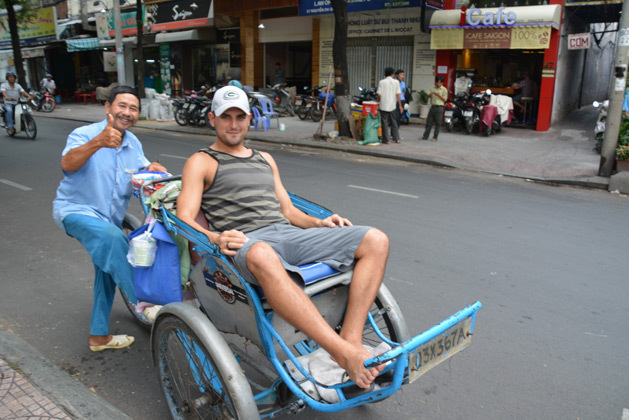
point(223, 36)
point(105, 27)
point(318, 7)
point(519, 37)
point(178, 14)
point(579, 41)
point(40, 28)
point(592, 2)
point(383, 25)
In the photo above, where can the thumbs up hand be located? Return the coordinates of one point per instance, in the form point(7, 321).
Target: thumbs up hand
point(110, 136)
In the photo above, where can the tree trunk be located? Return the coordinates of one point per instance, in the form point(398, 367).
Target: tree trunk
point(139, 54)
point(347, 125)
point(15, 43)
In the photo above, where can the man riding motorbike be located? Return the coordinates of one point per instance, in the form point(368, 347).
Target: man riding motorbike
point(11, 91)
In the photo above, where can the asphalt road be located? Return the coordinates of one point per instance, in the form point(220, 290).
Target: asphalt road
point(547, 262)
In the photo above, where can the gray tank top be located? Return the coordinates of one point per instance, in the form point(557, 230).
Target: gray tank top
point(242, 195)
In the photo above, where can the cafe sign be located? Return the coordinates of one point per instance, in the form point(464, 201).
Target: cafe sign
point(521, 37)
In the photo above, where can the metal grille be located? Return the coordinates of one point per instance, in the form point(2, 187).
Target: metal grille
point(368, 57)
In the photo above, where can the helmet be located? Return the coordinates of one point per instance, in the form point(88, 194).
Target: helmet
point(10, 73)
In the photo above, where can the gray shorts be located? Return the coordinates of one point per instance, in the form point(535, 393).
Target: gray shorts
point(296, 246)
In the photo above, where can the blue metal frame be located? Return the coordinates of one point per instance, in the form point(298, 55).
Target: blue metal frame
point(398, 355)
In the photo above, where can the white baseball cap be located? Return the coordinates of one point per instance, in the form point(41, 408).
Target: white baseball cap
point(230, 97)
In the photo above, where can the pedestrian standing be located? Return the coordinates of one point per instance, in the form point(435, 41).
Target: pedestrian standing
point(389, 99)
point(92, 200)
point(399, 75)
point(438, 95)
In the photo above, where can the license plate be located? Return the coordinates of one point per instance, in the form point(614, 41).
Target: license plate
point(440, 348)
point(468, 113)
point(448, 113)
point(186, 106)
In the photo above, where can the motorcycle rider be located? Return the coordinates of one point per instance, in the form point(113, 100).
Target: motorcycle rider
point(48, 84)
point(11, 91)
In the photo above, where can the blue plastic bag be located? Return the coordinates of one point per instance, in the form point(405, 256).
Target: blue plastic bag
point(160, 283)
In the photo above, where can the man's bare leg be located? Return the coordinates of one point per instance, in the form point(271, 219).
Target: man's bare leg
point(371, 259)
point(290, 302)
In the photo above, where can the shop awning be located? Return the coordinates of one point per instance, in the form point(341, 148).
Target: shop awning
point(529, 27)
point(190, 35)
point(84, 44)
point(125, 40)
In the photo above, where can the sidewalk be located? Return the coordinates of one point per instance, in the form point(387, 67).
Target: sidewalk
point(564, 154)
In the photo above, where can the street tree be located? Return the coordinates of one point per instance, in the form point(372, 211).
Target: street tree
point(140, 46)
point(18, 12)
point(347, 125)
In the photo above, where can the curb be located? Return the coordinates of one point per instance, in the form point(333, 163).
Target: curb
point(68, 393)
point(593, 182)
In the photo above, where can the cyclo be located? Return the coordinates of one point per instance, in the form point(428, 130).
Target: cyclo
point(223, 353)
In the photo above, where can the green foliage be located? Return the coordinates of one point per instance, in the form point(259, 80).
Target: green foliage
point(24, 10)
point(622, 150)
point(423, 97)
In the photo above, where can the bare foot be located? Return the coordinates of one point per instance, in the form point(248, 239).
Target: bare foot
point(99, 340)
point(353, 362)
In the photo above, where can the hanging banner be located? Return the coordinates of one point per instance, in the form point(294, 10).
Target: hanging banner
point(109, 61)
point(41, 28)
point(318, 7)
point(164, 68)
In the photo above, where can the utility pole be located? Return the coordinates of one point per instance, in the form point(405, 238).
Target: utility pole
point(119, 49)
point(616, 95)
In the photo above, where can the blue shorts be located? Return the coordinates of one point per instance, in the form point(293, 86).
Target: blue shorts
point(295, 246)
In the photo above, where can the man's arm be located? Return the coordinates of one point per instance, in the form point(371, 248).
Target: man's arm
point(74, 159)
point(295, 216)
point(198, 173)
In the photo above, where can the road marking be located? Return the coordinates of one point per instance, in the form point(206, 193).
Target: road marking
point(15, 185)
point(174, 157)
point(382, 191)
point(598, 335)
point(625, 414)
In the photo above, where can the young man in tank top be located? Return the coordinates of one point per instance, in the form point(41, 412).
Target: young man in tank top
point(253, 221)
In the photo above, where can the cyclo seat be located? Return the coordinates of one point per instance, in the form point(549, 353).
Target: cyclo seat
point(311, 273)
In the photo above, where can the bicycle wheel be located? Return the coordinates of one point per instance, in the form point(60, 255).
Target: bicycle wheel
point(200, 382)
point(181, 116)
point(129, 224)
point(388, 318)
point(29, 126)
point(48, 106)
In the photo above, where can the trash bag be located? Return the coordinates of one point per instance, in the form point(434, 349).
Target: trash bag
point(370, 132)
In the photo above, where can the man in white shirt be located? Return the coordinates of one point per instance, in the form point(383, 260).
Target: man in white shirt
point(48, 84)
point(389, 98)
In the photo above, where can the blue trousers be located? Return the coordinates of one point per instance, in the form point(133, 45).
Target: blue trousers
point(108, 247)
point(10, 111)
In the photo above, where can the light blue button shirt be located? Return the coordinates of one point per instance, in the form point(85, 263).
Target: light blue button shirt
point(102, 187)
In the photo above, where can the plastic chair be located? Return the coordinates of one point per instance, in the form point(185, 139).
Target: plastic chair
point(267, 110)
point(258, 118)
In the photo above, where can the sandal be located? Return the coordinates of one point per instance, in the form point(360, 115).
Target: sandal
point(117, 342)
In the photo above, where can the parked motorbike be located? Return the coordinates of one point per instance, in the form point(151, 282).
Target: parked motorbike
point(365, 95)
point(453, 116)
point(279, 97)
point(405, 118)
point(601, 121)
point(42, 101)
point(193, 108)
point(308, 100)
point(23, 120)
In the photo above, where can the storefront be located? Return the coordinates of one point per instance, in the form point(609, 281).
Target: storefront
point(497, 46)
